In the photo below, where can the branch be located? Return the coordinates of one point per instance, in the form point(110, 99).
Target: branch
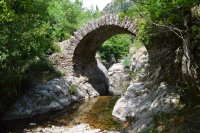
point(173, 29)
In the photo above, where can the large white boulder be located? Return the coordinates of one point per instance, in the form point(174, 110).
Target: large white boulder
point(141, 104)
point(118, 78)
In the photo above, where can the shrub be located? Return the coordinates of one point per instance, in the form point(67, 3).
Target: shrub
point(41, 71)
point(115, 48)
point(126, 62)
point(55, 48)
point(72, 89)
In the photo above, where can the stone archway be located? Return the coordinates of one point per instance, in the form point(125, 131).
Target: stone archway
point(86, 42)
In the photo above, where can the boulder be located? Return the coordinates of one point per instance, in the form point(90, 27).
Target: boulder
point(53, 95)
point(82, 89)
point(102, 82)
point(95, 75)
point(118, 78)
point(141, 104)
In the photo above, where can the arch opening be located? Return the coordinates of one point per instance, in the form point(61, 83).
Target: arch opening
point(115, 49)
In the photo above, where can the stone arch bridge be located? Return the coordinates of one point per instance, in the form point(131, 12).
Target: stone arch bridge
point(80, 49)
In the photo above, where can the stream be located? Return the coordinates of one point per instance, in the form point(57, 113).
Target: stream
point(97, 112)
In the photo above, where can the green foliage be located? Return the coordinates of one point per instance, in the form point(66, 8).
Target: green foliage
point(55, 48)
point(64, 17)
point(67, 16)
point(126, 62)
point(93, 13)
point(23, 35)
point(40, 71)
point(159, 18)
point(28, 30)
point(72, 89)
point(39, 66)
point(137, 43)
point(115, 48)
point(133, 74)
point(156, 16)
point(5, 13)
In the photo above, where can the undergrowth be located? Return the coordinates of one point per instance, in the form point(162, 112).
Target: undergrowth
point(183, 120)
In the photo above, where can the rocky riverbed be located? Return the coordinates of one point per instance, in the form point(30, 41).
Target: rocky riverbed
point(93, 115)
point(80, 128)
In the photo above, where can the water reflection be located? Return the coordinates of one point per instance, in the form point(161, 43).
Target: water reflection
point(95, 111)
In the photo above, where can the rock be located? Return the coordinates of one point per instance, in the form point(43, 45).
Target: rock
point(102, 68)
point(32, 124)
point(53, 95)
point(139, 62)
point(118, 78)
point(141, 104)
point(80, 128)
point(97, 77)
point(117, 7)
point(82, 88)
point(102, 82)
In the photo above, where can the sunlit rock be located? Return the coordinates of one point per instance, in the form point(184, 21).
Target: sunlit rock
point(141, 104)
point(118, 78)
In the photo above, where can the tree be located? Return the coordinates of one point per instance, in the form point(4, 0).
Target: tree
point(64, 17)
point(28, 32)
point(172, 15)
point(23, 34)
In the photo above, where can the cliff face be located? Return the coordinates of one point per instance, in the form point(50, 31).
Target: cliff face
point(116, 7)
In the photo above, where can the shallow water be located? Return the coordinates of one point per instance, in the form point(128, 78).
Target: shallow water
point(97, 112)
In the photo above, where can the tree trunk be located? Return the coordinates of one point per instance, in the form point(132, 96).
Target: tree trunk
point(189, 71)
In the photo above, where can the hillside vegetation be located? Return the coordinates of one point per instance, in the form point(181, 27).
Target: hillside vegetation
point(29, 32)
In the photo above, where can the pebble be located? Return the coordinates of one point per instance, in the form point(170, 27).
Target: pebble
point(32, 124)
